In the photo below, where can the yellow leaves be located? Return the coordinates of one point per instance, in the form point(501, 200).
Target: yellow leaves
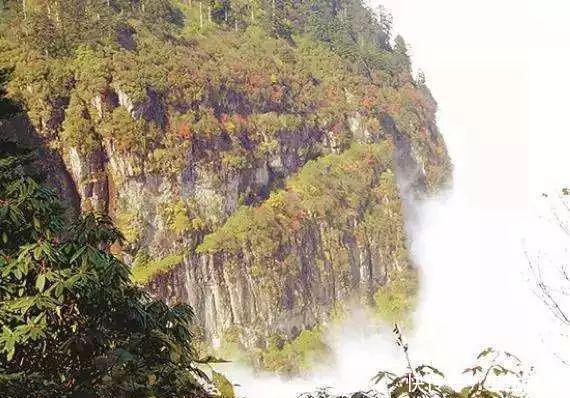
point(274, 79)
point(276, 201)
point(224, 386)
point(41, 282)
point(181, 223)
point(395, 301)
point(129, 224)
point(145, 268)
point(177, 217)
point(268, 146)
point(198, 224)
point(230, 127)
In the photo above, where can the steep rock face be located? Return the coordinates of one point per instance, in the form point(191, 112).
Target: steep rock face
point(328, 260)
point(49, 163)
point(282, 266)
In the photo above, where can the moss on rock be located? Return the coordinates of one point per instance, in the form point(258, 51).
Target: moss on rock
point(145, 268)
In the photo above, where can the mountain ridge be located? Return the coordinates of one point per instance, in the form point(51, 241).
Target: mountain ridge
point(254, 154)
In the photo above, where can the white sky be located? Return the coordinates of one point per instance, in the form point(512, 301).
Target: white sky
point(499, 71)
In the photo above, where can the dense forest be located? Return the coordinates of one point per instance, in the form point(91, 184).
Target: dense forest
point(184, 181)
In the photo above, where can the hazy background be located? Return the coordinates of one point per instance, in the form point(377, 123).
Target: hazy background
point(499, 72)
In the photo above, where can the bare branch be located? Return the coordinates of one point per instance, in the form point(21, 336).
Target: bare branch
point(545, 292)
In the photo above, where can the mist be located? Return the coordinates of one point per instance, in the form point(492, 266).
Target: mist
point(476, 291)
point(497, 70)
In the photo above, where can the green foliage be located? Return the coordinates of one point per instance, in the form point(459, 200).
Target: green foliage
point(495, 374)
point(57, 28)
point(396, 300)
point(73, 324)
point(336, 183)
point(295, 356)
point(129, 225)
point(181, 218)
point(227, 83)
point(286, 357)
point(255, 71)
point(355, 188)
point(181, 223)
point(334, 188)
point(144, 268)
point(224, 386)
point(78, 128)
point(127, 133)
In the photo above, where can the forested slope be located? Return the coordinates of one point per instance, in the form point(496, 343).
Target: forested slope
point(253, 153)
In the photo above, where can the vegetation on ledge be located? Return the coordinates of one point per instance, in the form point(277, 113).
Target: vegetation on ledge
point(166, 94)
point(395, 301)
point(354, 188)
point(144, 268)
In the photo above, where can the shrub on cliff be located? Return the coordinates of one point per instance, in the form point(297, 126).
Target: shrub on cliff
point(354, 188)
point(73, 323)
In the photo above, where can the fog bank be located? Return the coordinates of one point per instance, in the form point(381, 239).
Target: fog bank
point(498, 71)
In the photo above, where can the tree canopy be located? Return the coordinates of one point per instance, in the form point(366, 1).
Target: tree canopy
point(73, 324)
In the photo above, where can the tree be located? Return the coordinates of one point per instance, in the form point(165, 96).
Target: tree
point(73, 323)
point(385, 21)
point(552, 281)
point(7, 108)
point(400, 46)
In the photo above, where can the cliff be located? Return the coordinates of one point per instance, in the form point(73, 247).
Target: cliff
point(254, 154)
